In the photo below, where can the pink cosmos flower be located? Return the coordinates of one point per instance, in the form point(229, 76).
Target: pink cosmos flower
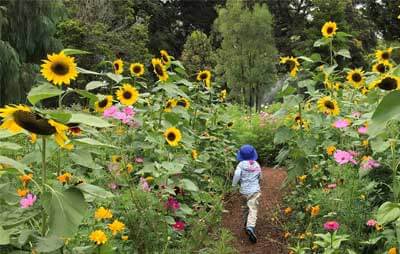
point(144, 184)
point(371, 223)
point(139, 160)
point(331, 226)
point(356, 114)
point(341, 123)
point(109, 112)
point(369, 164)
point(179, 226)
point(28, 201)
point(343, 157)
point(363, 130)
point(129, 111)
point(172, 204)
point(113, 186)
point(332, 186)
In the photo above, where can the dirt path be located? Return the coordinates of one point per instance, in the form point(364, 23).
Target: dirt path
point(269, 233)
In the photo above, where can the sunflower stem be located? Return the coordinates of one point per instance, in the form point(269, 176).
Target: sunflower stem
point(43, 182)
point(331, 50)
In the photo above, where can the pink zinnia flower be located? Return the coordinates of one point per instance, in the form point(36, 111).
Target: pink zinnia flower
point(371, 223)
point(144, 184)
point(369, 164)
point(331, 226)
point(179, 226)
point(343, 157)
point(129, 111)
point(341, 123)
point(109, 112)
point(172, 204)
point(332, 186)
point(363, 130)
point(28, 201)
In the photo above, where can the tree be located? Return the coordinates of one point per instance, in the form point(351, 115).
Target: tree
point(197, 53)
point(247, 56)
point(26, 35)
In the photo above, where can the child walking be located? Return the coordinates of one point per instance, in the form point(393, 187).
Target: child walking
point(248, 173)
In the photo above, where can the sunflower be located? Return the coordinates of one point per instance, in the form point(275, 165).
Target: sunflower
point(105, 103)
point(8, 114)
point(292, 63)
point(205, 76)
point(165, 57)
point(173, 136)
point(328, 106)
point(171, 103)
point(386, 82)
point(383, 55)
point(183, 102)
point(59, 69)
point(356, 77)
point(195, 154)
point(136, 69)
point(222, 95)
point(329, 29)
point(159, 69)
point(382, 67)
point(127, 95)
point(60, 137)
point(118, 66)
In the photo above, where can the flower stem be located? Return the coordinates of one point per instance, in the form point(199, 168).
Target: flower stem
point(331, 50)
point(331, 240)
point(43, 182)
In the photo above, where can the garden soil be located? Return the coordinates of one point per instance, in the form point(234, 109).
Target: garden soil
point(269, 232)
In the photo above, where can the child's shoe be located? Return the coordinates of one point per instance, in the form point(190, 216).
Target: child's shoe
point(251, 231)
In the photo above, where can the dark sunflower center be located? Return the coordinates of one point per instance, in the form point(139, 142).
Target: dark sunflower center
point(356, 77)
point(381, 68)
point(297, 118)
point(75, 129)
point(181, 103)
point(291, 64)
point(203, 76)
point(171, 136)
point(137, 69)
point(169, 104)
point(127, 95)
point(329, 30)
point(60, 68)
point(165, 58)
point(385, 55)
point(33, 122)
point(329, 105)
point(116, 66)
point(230, 124)
point(388, 84)
point(103, 103)
point(159, 70)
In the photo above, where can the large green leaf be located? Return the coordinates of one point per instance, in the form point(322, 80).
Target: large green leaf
point(343, 52)
point(4, 237)
point(189, 185)
point(13, 163)
point(92, 191)
point(49, 244)
point(321, 42)
point(388, 109)
point(62, 117)
point(95, 84)
point(83, 158)
point(93, 142)
point(6, 134)
point(282, 135)
point(388, 212)
point(70, 52)
point(89, 120)
point(84, 71)
point(66, 212)
point(117, 78)
point(43, 91)
point(9, 146)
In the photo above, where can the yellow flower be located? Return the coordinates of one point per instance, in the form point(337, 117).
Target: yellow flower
point(98, 236)
point(173, 136)
point(22, 192)
point(382, 67)
point(60, 136)
point(287, 235)
point(124, 238)
point(365, 142)
point(116, 226)
point(129, 167)
point(330, 150)
point(328, 106)
point(329, 29)
point(25, 179)
point(292, 63)
point(288, 210)
point(302, 236)
point(13, 117)
point(392, 250)
point(171, 103)
point(33, 138)
point(315, 210)
point(386, 82)
point(64, 178)
point(356, 77)
point(183, 102)
point(103, 213)
point(378, 227)
point(165, 57)
point(118, 66)
point(159, 69)
point(222, 95)
point(383, 55)
point(105, 103)
point(149, 179)
point(302, 178)
point(127, 95)
point(194, 154)
point(116, 158)
point(205, 76)
point(136, 69)
point(59, 69)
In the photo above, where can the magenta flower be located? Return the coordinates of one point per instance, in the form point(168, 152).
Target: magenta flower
point(331, 226)
point(343, 157)
point(28, 201)
point(332, 186)
point(363, 130)
point(172, 204)
point(369, 163)
point(109, 112)
point(179, 226)
point(129, 111)
point(371, 223)
point(139, 160)
point(341, 123)
point(144, 184)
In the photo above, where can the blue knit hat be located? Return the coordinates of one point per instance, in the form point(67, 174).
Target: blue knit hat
point(247, 153)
